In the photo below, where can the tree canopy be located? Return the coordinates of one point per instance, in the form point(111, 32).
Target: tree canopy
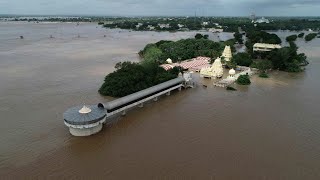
point(243, 80)
point(181, 50)
point(301, 35)
point(291, 38)
point(243, 59)
point(310, 36)
point(132, 77)
point(287, 58)
point(263, 65)
point(200, 36)
point(238, 37)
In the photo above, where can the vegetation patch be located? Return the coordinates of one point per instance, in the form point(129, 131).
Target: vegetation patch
point(200, 36)
point(243, 80)
point(284, 59)
point(263, 75)
point(291, 38)
point(301, 35)
point(310, 36)
point(229, 88)
point(242, 59)
point(238, 37)
point(132, 77)
point(287, 59)
point(263, 65)
point(181, 50)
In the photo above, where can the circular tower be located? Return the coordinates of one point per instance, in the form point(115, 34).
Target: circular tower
point(84, 121)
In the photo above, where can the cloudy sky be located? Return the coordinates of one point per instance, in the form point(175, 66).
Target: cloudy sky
point(162, 7)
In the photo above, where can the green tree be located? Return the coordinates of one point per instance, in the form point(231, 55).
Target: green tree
point(231, 64)
point(310, 36)
point(238, 37)
point(291, 38)
point(153, 54)
point(243, 80)
point(132, 77)
point(263, 65)
point(242, 59)
point(301, 35)
point(198, 36)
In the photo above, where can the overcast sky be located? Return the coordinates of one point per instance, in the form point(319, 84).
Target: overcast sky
point(162, 7)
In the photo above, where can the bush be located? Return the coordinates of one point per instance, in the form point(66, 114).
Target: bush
point(301, 35)
point(292, 38)
point(198, 36)
point(310, 36)
point(229, 88)
point(243, 80)
point(263, 75)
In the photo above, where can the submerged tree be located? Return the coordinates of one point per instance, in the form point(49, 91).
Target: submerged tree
point(243, 80)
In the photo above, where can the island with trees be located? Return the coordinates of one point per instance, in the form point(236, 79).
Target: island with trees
point(131, 77)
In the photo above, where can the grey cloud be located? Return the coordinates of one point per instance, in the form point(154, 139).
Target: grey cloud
point(162, 7)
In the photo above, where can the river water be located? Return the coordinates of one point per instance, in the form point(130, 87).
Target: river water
point(268, 130)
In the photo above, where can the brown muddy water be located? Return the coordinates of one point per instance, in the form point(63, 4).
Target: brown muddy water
point(268, 130)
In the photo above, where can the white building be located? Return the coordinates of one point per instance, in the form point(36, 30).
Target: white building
point(180, 25)
point(262, 20)
point(169, 61)
point(232, 74)
point(214, 30)
point(205, 23)
point(151, 27)
point(164, 26)
point(263, 47)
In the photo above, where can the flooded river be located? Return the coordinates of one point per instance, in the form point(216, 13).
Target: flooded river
point(268, 130)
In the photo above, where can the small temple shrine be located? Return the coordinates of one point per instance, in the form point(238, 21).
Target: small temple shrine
point(214, 71)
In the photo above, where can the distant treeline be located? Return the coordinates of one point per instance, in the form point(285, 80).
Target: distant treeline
point(227, 24)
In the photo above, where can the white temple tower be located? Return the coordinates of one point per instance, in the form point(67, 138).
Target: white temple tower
point(227, 54)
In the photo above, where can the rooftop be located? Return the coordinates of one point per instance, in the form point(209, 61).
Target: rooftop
point(84, 115)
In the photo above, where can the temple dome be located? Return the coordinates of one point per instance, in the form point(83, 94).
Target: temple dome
point(84, 110)
point(232, 72)
point(169, 61)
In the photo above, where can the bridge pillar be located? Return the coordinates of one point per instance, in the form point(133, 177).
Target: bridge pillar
point(168, 93)
point(123, 113)
point(155, 99)
point(141, 105)
point(179, 89)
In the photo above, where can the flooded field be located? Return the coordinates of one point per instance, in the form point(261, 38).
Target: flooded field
point(268, 130)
